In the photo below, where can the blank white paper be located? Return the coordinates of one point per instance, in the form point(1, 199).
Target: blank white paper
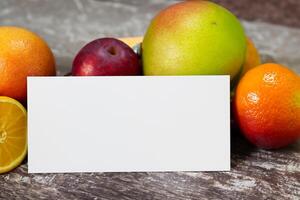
point(128, 124)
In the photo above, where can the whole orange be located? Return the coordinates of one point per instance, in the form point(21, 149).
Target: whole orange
point(252, 57)
point(252, 60)
point(267, 106)
point(22, 53)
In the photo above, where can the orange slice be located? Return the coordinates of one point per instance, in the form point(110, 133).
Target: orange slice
point(13, 134)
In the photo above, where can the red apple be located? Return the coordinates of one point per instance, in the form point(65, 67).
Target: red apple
point(106, 57)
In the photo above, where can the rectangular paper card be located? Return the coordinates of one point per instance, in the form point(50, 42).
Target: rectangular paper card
point(128, 124)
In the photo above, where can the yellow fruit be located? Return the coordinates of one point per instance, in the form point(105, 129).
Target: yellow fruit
point(132, 41)
point(13, 134)
point(194, 38)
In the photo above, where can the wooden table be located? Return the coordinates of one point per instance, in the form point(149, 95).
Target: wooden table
point(67, 26)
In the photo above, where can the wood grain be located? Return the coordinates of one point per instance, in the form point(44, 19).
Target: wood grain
point(255, 174)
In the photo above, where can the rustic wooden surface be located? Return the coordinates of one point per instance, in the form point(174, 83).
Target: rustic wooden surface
point(67, 25)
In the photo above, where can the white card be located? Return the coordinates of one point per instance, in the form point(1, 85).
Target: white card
point(128, 124)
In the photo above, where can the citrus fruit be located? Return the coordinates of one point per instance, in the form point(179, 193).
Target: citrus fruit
point(194, 38)
point(267, 106)
point(252, 57)
point(22, 54)
point(13, 134)
point(132, 41)
point(252, 60)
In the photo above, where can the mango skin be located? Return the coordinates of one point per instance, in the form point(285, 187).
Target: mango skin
point(194, 38)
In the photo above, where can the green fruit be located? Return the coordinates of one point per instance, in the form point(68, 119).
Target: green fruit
point(194, 38)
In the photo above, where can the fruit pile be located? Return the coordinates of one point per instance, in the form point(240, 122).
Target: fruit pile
point(187, 38)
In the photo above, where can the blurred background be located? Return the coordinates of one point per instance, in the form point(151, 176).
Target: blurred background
point(273, 25)
point(284, 12)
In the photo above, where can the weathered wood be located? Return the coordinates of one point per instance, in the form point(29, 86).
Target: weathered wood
point(67, 25)
point(255, 174)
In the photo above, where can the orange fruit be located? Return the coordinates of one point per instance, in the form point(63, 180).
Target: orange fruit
point(252, 60)
point(13, 134)
point(22, 54)
point(267, 106)
point(252, 57)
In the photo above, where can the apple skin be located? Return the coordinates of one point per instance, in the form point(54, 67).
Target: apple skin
point(194, 38)
point(106, 57)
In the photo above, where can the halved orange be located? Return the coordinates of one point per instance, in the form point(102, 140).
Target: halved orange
point(13, 134)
